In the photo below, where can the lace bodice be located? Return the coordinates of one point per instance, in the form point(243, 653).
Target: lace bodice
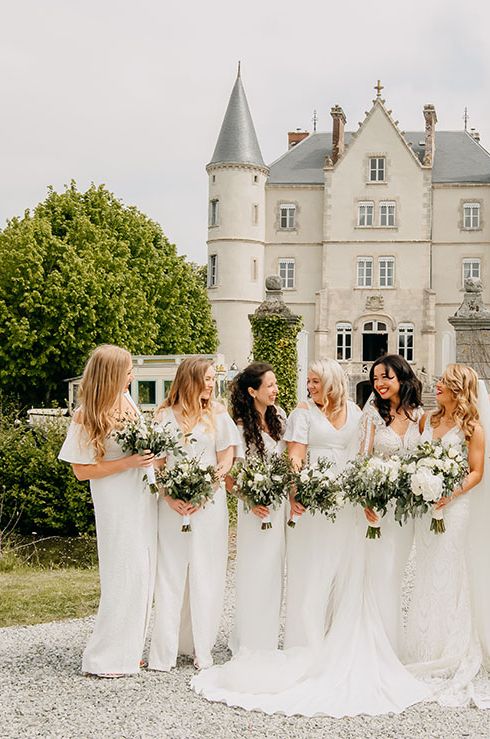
point(386, 441)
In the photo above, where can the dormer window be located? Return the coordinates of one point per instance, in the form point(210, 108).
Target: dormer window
point(377, 169)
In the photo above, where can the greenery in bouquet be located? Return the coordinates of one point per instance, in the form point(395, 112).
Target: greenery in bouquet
point(317, 489)
point(136, 435)
point(190, 481)
point(262, 481)
point(430, 473)
point(372, 482)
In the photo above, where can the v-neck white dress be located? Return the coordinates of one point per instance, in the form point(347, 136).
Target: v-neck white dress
point(316, 546)
point(126, 524)
point(259, 571)
point(191, 566)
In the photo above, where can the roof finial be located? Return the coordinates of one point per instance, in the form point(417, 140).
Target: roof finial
point(238, 75)
point(465, 117)
point(378, 89)
point(315, 120)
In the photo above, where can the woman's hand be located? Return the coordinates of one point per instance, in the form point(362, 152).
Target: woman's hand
point(444, 501)
point(260, 510)
point(371, 516)
point(136, 461)
point(296, 508)
point(180, 506)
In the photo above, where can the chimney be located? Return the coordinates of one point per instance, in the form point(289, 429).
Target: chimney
point(430, 134)
point(338, 144)
point(474, 134)
point(294, 137)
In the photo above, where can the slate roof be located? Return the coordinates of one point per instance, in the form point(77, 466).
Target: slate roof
point(237, 140)
point(458, 158)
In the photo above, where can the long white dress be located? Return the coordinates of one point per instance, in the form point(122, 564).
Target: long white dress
point(315, 547)
point(387, 556)
point(126, 524)
point(191, 566)
point(441, 638)
point(259, 571)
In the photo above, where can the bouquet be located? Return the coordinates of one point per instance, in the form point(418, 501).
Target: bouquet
point(262, 481)
point(372, 482)
point(189, 481)
point(317, 489)
point(432, 472)
point(138, 436)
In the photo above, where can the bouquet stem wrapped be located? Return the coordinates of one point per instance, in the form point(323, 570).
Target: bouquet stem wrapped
point(262, 482)
point(190, 481)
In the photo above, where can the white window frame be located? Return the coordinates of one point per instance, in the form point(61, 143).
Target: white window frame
point(287, 272)
point(344, 347)
point(287, 216)
point(471, 216)
point(468, 266)
point(387, 213)
point(386, 276)
point(214, 212)
point(213, 270)
point(364, 277)
point(375, 170)
point(405, 331)
point(365, 213)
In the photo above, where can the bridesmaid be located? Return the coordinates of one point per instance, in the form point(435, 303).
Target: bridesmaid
point(125, 514)
point(191, 566)
point(327, 425)
point(260, 554)
point(391, 427)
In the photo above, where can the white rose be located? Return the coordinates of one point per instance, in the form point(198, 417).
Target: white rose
point(437, 451)
point(258, 477)
point(410, 468)
point(340, 501)
point(452, 452)
point(426, 484)
point(304, 476)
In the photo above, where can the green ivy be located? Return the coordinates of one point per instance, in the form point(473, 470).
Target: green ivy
point(274, 341)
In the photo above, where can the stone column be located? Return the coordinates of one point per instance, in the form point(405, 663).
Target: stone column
point(471, 323)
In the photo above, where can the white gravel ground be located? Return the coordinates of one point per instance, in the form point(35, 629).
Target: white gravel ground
point(42, 694)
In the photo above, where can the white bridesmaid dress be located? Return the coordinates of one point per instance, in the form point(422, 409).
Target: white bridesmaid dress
point(259, 571)
point(126, 524)
point(191, 566)
point(316, 547)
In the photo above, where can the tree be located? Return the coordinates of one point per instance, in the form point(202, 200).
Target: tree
point(82, 270)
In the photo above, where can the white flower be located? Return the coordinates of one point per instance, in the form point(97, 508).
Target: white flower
point(426, 484)
point(207, 477)
point(304, 475)
point(410, 468)
point(437, 451)
point(452, 452)
point(340, 500)
point(258, 477)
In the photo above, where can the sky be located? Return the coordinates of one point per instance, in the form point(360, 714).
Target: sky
point(133, 94)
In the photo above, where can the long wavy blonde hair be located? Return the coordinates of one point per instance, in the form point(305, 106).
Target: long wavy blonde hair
point(462, 381)
point(185, 391)
point(100, 392)
point(334, 385)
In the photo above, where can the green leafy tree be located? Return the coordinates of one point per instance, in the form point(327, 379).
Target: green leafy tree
point(82, 270)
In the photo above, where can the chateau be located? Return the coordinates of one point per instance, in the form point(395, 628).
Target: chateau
point(372, 233)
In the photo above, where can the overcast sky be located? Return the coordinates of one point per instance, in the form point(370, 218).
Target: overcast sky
point(132, 94)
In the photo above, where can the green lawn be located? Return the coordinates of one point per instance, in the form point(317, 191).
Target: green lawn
point(32, 596)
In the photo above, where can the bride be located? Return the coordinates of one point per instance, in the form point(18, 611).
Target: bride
point(447, 635)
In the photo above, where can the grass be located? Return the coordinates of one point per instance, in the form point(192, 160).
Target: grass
point(31, 596)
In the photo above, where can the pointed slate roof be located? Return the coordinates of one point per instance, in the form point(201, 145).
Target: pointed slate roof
point(237, 140)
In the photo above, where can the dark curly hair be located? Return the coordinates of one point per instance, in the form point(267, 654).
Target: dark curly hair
point(243, 409)
point(410, 387)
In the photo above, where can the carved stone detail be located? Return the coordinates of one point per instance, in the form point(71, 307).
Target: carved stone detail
point(375, 303)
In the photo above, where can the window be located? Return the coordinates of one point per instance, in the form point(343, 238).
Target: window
point(387, 214)
point(365, 214)
point(471, 215)
point(471, 268)
point(256, 179)
point(167, 384)
point(147, 392)
point(344, 341)
point(214, 212)
point(386, 271)
point(287, 273)
point(405, 341)
point(377, 169)
point(212, 270)
point(287, 215)
point(213, 179)
point(365, 272)
point(255, 214)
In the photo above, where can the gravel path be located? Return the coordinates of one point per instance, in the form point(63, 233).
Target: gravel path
point(42, 694)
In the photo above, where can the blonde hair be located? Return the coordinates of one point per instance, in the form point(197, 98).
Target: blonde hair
point(101, 388)
point(462, 381)
point(334, 385)
point(186, 389)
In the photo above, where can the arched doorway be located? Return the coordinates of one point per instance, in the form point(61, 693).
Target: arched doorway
point(374, 340)
point(363, 391)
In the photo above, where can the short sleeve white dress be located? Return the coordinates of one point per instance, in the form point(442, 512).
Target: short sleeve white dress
point(259, 571)
point(315, 546)
point(126, 524)
point(191, 566)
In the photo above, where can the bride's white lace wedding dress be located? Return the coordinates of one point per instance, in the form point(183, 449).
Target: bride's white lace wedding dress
point(356, 670)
